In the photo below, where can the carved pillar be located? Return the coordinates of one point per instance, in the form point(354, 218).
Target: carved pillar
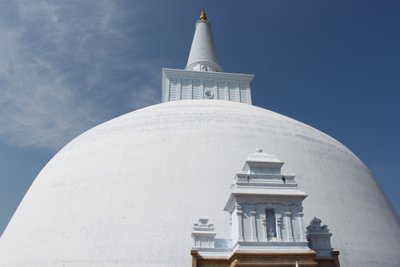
point(264, 222)
point(281, 226)
point(284, 226)
point(239, 213)
point(296, 231)
point(300, 222)
point(253, 214)
point(289, 227)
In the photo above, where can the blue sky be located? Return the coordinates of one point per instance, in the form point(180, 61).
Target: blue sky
point(66, 66)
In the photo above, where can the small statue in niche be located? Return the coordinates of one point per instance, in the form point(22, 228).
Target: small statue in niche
point(271, 236)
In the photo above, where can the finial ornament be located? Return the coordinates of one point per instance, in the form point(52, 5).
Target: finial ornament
point(203, 15)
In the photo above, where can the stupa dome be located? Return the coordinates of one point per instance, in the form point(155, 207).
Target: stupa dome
point(127, 192)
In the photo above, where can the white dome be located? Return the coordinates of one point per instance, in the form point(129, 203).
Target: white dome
point(127, 192)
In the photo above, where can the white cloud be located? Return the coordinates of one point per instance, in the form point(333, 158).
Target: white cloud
point(63, 65)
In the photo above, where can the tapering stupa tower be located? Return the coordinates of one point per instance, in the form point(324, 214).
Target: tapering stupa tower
point(203, 77)
point(203, 54)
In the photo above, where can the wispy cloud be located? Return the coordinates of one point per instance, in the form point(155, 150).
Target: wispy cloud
point(65, 64)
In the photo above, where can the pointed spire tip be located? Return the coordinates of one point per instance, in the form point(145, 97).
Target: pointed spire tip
point(203, 15)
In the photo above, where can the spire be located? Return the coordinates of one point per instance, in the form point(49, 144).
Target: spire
point(203, 55)
point(203, 15)
point(203, 77)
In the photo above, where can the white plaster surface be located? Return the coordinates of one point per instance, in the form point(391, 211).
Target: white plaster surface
point(184, 84)
point(126, 193)
point(203, 55)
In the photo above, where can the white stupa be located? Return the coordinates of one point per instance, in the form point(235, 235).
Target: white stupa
point(126, 193)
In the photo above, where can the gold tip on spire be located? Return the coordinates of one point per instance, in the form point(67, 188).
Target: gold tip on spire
point(203, 15)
